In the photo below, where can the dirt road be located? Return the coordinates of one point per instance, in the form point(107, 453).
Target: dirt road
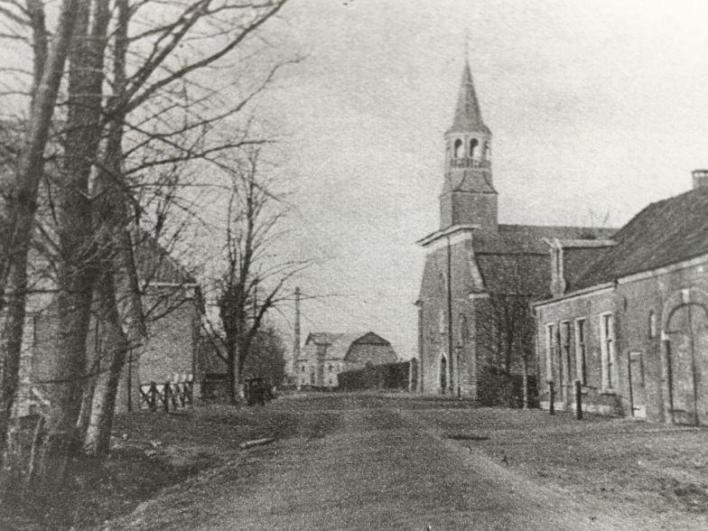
point(369, 463)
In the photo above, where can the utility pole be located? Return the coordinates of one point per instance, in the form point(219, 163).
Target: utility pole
point(296, 346)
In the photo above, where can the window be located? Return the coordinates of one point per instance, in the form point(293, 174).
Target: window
point(330, 368)
point(458, 149)
point(580, 350)
point(464, 331)
point(550, 336)
point(303, 368)
point(473, 147)
point(607, 336)
point(566, 361)
point(652, 324)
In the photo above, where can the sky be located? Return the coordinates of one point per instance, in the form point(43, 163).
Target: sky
point(597, 108)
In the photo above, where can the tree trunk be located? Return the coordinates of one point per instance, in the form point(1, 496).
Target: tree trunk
point(232, 371)
point(23, 205)
point(118, 260)
point(77, 269)
point(98, 434)
point(13, 330)
point(525, 382)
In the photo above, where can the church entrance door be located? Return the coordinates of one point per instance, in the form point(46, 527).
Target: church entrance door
point(443, 375)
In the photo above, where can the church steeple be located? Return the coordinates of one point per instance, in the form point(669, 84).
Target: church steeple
point(468, 117)
point(468, 196)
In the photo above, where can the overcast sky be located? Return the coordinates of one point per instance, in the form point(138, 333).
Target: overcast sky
point(596, 108)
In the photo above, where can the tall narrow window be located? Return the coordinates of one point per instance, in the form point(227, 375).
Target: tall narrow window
point(459, 149)
point(567, 364)
point(464, 331)
point(550, 338)
point(580, 349)
point(652, 324)
point(473, 147)
point(607, 336)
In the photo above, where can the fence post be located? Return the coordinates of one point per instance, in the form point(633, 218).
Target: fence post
point(578, 400)
point(551, 399)
point(188, 391)
point(166, 391)
point(153, 396)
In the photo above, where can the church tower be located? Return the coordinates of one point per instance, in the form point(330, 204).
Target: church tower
point(468, 196)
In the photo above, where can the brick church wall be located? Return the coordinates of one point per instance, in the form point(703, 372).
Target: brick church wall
point(435, 318)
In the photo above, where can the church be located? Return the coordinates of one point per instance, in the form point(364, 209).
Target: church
point(475, 327)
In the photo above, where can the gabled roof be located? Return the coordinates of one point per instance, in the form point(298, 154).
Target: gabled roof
point(155, 264)
point(322, 338)
point(339, 344)
point(664, 233)
point(526, 275)
point(516, 259)
point(468, 116)
point(370, 338)
point(523, 239)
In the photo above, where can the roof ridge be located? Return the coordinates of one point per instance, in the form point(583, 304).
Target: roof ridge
point(557, 226)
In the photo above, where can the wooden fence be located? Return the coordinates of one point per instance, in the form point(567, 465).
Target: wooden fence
point(167, 396)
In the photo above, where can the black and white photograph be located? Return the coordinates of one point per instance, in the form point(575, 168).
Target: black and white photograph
point(353, 264)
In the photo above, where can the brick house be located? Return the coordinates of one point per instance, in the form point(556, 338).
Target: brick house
point(628, 316)
point(475, 327)
point(173, 306)
point(325, 355)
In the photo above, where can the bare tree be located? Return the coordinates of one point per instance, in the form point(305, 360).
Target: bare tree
point(505, 332)
point(143, 96)
point(252, 280)
point(48, 69)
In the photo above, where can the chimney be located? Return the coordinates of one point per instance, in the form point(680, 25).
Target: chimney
point(700, 178)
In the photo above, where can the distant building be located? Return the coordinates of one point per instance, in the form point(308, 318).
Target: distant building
point(628, 317)
point(475, 328)
point(325, 355)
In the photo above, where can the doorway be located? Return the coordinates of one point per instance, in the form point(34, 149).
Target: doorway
point(637, 392)
point(443, 375)
point(686, 352)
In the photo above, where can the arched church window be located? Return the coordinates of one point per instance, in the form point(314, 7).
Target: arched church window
point(464, 335)
point(652, 324)
point(458, 149)
point(473, 147)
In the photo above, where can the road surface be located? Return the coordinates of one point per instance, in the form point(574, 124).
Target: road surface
point(362, 462)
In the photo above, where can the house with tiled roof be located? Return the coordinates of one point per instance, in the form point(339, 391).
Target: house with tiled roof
point(475, 328)
point(327, 354)
point(628, 317)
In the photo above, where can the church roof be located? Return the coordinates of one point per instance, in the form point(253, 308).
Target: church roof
point(516, 259)
point(519, 274)
point(525, 239)
point(664, 233)
point(468, 116)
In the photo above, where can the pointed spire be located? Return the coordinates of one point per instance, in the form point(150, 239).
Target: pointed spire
point(468, 117)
